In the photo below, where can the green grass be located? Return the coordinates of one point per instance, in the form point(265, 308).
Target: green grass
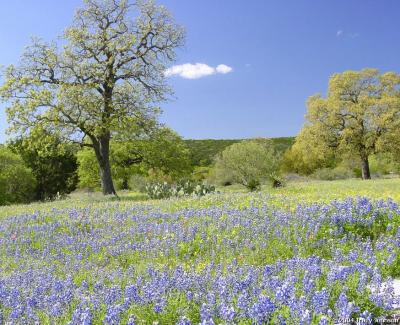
point(291, 195)
point(325, 191)
point(74, 200)
point(203, 152)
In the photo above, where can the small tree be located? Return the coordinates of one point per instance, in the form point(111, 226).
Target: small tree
point(359, 116)
point(247, 163)
point(53, 162)
point(105, 79)
point(17, 183)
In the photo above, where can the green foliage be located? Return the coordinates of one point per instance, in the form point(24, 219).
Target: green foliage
point(88, 170)
point(164, 151)
point(137, 183)
point(358, 117)
point(52, 162)
point(104, 76)
point(253, 185)
point(307, 154)
point(203, 152)
point(384, 164)
point(182, 188)
point(247, 163)
point(200, 173)
point(276, 180)
point(161, 156)
point(17, 183)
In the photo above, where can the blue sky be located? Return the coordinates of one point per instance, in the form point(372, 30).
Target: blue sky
point(280, 52)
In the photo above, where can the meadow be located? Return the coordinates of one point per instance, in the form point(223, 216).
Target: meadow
point(309, 253)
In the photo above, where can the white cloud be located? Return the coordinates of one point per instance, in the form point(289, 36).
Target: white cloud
point(339, 33)
point(222, 68)
point(195, 71)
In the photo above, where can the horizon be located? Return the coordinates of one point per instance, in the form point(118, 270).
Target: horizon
point(246, 71)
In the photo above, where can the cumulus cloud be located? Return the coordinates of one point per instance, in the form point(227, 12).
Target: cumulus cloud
point(197, 70)
point(222, 68)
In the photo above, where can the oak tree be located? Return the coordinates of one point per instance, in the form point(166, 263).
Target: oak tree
point(358, 117)
point(106, 75)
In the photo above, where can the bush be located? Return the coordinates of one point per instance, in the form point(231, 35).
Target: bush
point(17, 183)
point(166, 190)
point(248, 163)
point(53, 163)
point(253, 185)
point(200, 173)
point(276, 180)
point(328, 174)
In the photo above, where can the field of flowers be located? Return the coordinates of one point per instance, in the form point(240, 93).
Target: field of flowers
point(265, 258)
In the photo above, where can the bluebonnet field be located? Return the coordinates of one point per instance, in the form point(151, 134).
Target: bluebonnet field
point(230, 259)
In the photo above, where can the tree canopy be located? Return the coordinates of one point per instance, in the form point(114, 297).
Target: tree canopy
point(359, 117)
point(105, 76)
point(163, 153)
point(52, 161)
point(17, 182)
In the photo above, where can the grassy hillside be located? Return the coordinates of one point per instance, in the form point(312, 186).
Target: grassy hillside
point(204, 151)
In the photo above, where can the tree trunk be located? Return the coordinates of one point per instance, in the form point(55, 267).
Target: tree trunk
point(102, 150)
point(365, 168)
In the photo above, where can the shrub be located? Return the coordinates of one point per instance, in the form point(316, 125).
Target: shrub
point(166, 190)
point(247, 163)
point(17, 183)
point(200, 173)
point(53, 162)
point(253, 185)
point(276, 180)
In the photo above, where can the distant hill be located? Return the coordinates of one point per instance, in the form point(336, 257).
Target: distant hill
point(204, 151)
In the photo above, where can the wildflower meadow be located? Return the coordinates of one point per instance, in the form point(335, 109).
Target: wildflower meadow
point(222, 259)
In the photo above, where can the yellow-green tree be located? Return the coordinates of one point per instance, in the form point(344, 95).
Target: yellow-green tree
point(106, 76)
point(359, 116)
point(247, 163)
point(17, 183)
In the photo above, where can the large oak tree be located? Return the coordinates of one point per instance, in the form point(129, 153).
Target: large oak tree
point(105, 76)
point(359, 117)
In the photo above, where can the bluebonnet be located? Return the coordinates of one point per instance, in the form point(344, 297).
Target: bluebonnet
point(205, 312)
point(227, 312)
point(84, 260)
point(262, 309)
point(320, 301)
point(183, 321)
